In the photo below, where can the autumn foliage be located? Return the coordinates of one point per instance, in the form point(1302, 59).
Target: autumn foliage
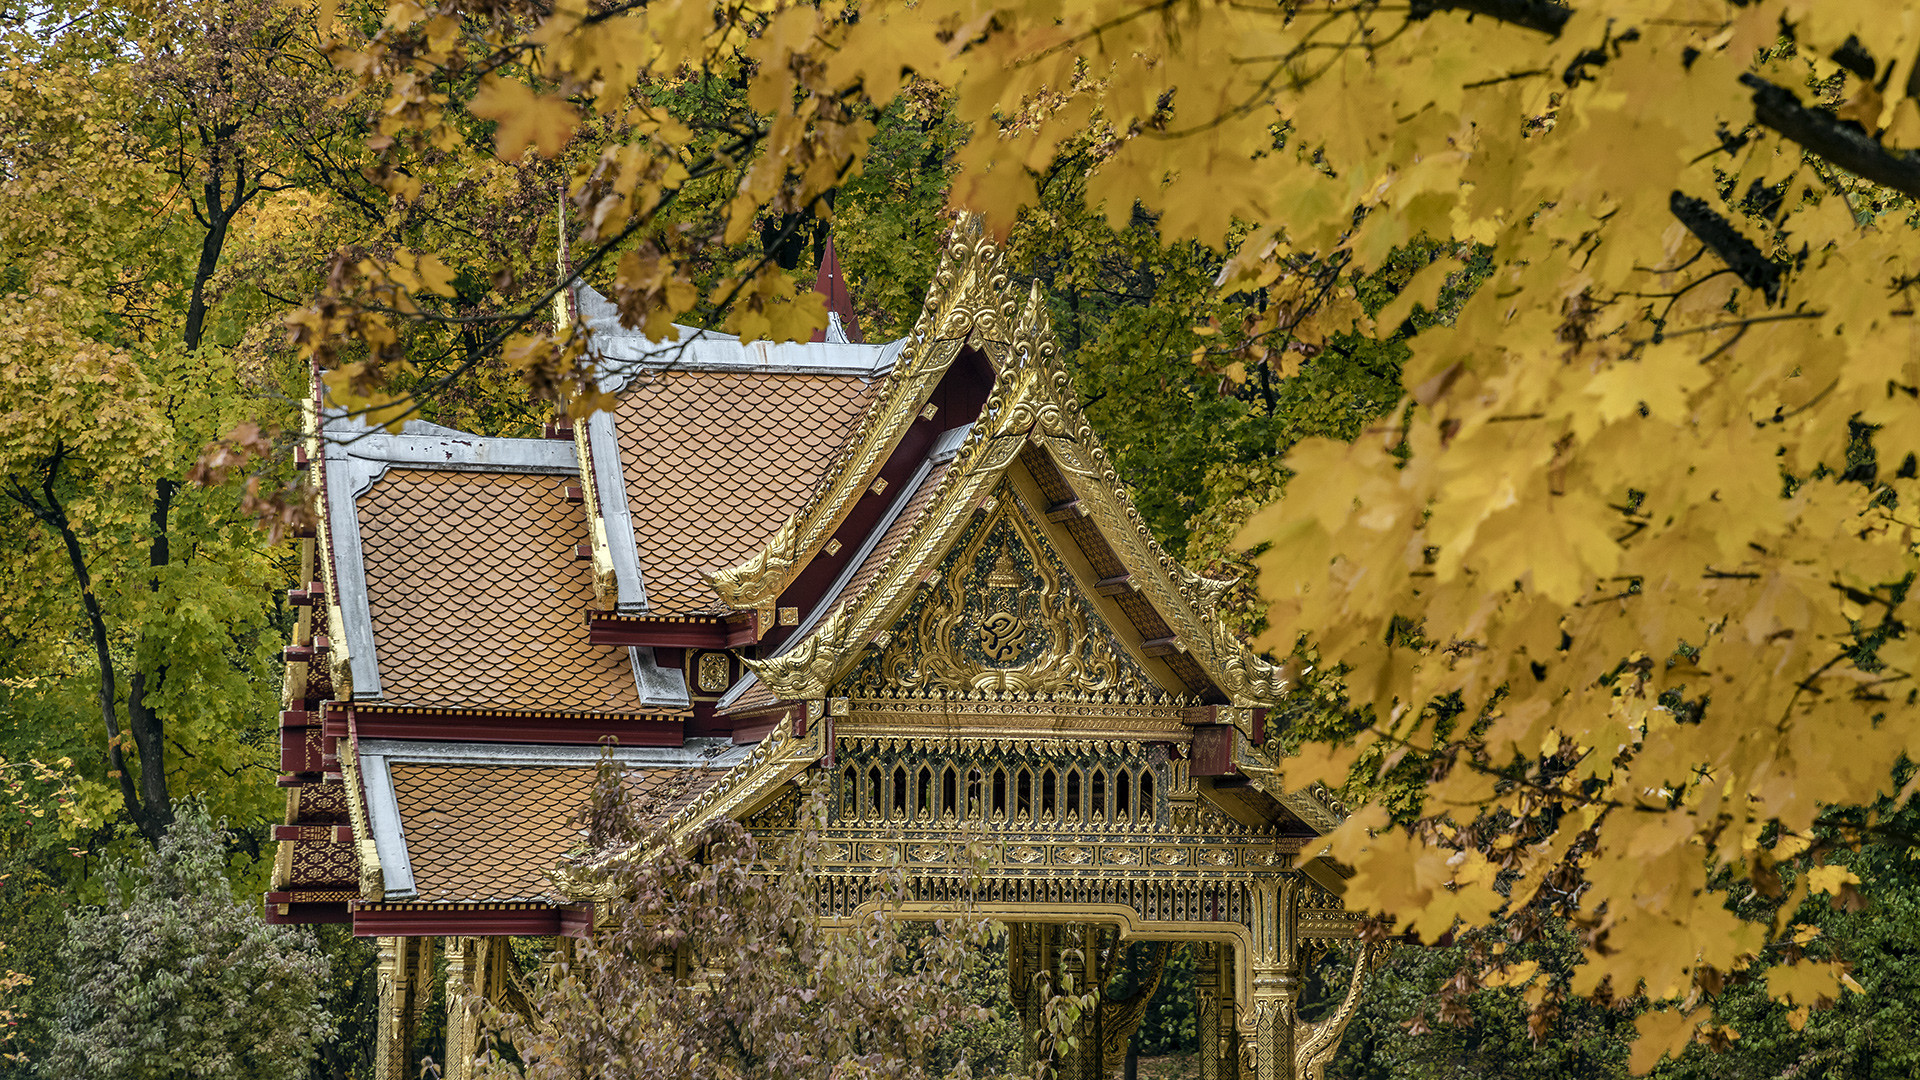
point(1624, 576)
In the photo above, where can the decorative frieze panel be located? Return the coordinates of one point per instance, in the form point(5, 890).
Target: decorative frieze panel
point(1007, 821)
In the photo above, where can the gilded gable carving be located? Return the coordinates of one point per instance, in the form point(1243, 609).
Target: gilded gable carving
point(1003, 615)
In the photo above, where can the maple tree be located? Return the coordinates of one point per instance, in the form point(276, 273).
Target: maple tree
point(137, 160)
point(1626, 572)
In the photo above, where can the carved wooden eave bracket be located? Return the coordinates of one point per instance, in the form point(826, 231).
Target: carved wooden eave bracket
point(968, 294)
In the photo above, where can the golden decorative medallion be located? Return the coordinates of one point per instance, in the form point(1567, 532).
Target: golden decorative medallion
point(715, 673)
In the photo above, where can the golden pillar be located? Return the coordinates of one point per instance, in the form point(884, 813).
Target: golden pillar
point(1267, 1035)
point(466, 990)
point(1045, 960)
point(1082, 966)
point(1213, 991)
point(1024, 945)
point(405, 971)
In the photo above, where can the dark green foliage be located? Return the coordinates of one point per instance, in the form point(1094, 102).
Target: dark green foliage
point(990, 1045)
point(1396, 1035)
point(1872, 1035)
point(353, 997)
point(1169, 1026)
point(173, 977)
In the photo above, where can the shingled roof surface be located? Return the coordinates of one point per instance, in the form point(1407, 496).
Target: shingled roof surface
point(490, 833)
point(890, 541)
point(477, 597)
point(715, 461)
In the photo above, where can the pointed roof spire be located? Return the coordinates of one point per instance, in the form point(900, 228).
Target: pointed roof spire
point(842, 328)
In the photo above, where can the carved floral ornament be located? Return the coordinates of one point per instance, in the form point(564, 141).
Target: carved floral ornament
point(1002, 615)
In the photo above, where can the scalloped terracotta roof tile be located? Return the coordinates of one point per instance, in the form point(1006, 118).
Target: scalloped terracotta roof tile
point(715, 461)
point(477, 596)
point(751, 698)
point(480, 833)
point(759, 694)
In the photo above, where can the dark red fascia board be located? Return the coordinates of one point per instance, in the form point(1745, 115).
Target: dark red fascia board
point(715, 632)
point(583, 729)
point(958, 397)
point(540, 921)
point(307, 913)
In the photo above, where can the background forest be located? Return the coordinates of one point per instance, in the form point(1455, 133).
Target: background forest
point(179, 182)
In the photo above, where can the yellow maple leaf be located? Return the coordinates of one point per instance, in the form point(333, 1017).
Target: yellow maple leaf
point(1830, 878)
point(524, 118)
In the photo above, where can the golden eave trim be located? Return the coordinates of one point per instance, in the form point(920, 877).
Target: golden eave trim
point(1032, 401)
point(776, 760)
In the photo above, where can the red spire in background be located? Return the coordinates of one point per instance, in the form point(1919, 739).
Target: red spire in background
point(831, 284)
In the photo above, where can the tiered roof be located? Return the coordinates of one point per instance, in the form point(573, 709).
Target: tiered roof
point(747, 537)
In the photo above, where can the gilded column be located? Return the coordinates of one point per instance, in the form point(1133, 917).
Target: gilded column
point(1276, 981)
point(1077, 960)
point(1029, 952)
point(1213, 991)
point(395, 1032)
point(466, 970)
point(420, 987)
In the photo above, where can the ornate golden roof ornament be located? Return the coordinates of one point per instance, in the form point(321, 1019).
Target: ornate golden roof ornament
point(1004, 574)
point(968, 297)
point(1032, 401)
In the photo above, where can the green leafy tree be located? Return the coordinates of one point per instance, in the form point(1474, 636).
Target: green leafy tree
point(173, 976)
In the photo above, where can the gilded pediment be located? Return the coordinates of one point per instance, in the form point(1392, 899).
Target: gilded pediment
point(1002, 614)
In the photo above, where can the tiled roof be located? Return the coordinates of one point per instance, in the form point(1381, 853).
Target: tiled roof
point(890, 541)
point(715, 461)
point(870, 567)
point(477, 598)
point(752, 697)
point(479, 833)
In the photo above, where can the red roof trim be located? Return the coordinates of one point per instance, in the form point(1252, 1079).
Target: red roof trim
point(584, 729)
point(463, 920)
point(674, 632)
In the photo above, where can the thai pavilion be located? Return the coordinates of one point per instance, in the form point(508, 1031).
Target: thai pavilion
point(905, 571)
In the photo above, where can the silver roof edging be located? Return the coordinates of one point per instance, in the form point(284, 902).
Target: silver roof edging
point(616, 514)
point(695, 751)
point(356, 456)
point(624, 353)
point(658, 687)
point(944, 449)
point(383, 820)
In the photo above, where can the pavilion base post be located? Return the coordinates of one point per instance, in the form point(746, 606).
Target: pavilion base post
point(466, 989)
point(399, 1005)
point(1213, 1006)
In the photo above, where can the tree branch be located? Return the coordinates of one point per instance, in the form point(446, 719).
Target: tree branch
point(1547, 16)
point(1739, 253)
point(46, 507)
point(1839, 141)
